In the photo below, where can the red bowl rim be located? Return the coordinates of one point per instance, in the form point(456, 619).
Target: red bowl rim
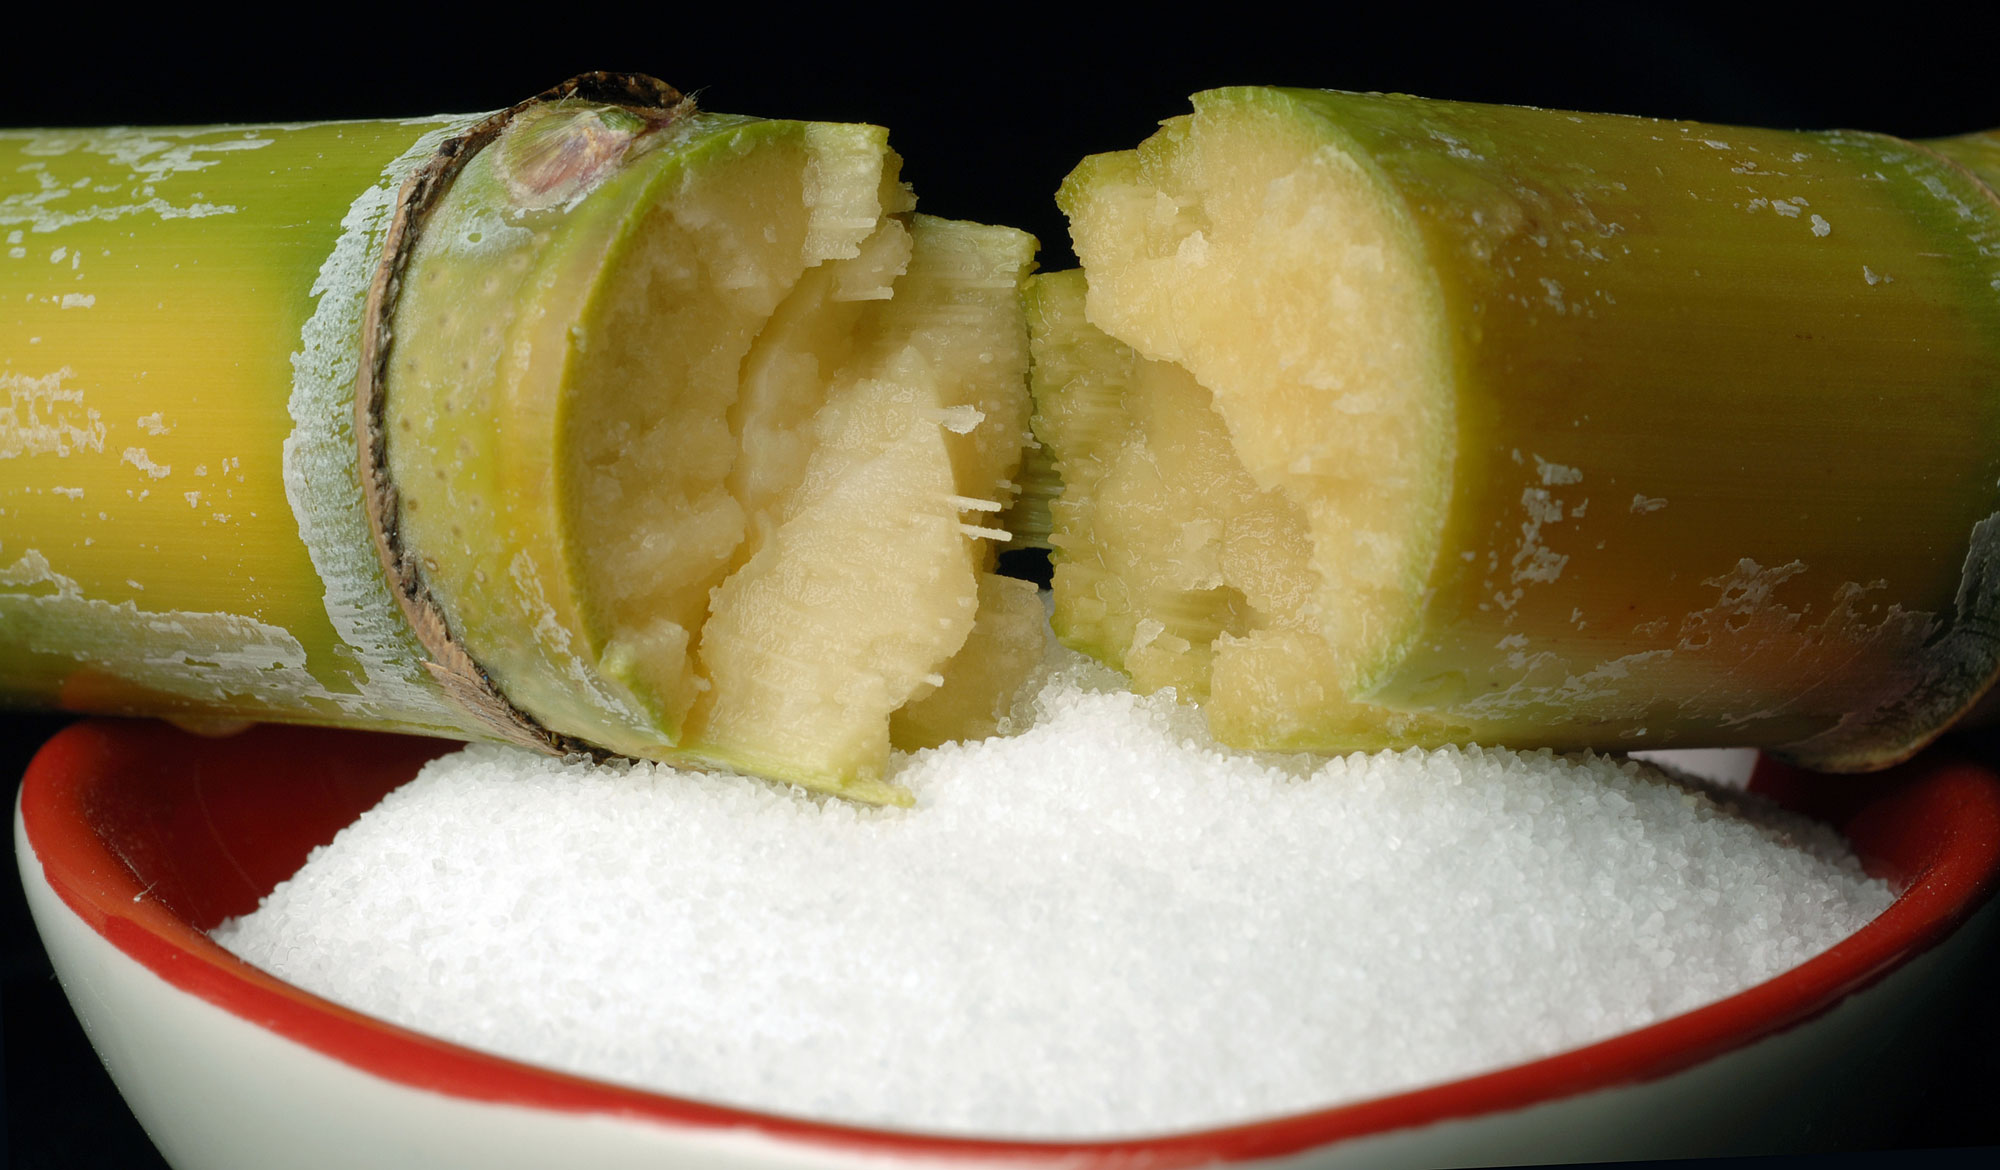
point(1932, 825)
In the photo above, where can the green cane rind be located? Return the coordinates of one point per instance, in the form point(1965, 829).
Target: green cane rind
point(1978, 153)
point(198, 274)
point(1752, 647)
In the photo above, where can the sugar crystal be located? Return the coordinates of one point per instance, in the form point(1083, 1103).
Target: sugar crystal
point(1103, 925)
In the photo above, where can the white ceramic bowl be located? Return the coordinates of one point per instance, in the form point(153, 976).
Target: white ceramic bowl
point(134, 838)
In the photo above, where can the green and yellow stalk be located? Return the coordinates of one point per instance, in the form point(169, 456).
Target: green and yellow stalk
point(180, 519)
point(529, 426)
point(1385, 421)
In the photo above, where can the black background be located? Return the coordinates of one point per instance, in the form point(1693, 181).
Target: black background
point(989, 106)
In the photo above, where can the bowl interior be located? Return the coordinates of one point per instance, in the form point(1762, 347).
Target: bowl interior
point(209, 826)
point(152, 836)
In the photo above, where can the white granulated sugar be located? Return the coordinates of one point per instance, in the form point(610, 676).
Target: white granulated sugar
point(1104, 925)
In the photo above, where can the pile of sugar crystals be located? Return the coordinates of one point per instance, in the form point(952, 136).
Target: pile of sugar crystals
point(1103, 925)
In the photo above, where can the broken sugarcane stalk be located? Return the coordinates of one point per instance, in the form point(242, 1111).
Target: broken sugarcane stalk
point(1385, 422)
point(511, 529)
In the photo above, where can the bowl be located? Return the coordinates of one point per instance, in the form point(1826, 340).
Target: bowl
point(134, 839)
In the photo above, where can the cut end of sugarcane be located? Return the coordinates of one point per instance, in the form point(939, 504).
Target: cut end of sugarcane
point(774, 428)
point(1254, 442)
point(789, 581)
point(1350, 409)
point(1208, 254)
point(1171, 563)
point(972, 695)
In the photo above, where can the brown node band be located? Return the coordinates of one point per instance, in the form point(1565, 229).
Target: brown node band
point(449, 663)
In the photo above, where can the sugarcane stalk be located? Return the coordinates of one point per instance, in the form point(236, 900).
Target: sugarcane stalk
point(182, 526)
point(366, 423)
point(1978, 152)
point(1538, 428)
